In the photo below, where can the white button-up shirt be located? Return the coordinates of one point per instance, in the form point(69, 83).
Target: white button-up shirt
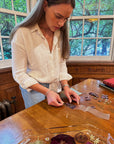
point(32, 61)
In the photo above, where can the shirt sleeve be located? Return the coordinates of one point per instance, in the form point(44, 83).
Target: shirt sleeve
point(19, 62)
point(63, 71)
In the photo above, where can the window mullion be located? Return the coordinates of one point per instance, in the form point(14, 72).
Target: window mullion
point(82, 37)
point(12, 5)
point(2, 52)
point(2, 10)
point(84, 8)
point(97, 37)
point(112, 43)
point(15, 19)
point(83, 28)
point(99, 7)
point(28, 5)
point(93, 17)
point(97, 29)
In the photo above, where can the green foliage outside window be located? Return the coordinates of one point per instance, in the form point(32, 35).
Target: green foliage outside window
point(87, 38)
point(20, 5)
point(7, 22)
point(107, 7)
point(6, 48)
point(19, 19)
point(6, 4)
point(91, 37)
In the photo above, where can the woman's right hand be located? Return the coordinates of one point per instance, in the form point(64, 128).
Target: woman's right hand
point(54, 99)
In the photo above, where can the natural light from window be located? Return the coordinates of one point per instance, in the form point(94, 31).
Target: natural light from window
point(11, 13)
point(91, 29)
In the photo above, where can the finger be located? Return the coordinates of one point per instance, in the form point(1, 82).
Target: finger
point(69, 98)
point(60, 100)
point(76, 95)
point(55, 103)
point(75, 98)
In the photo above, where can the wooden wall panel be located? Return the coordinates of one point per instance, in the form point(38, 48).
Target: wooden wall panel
point(79, 71)
point(9, 88)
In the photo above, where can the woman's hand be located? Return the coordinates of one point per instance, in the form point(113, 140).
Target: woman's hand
point(71, 95)
point(54, 99)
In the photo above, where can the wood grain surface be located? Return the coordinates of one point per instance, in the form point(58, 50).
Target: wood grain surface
point(42, 119)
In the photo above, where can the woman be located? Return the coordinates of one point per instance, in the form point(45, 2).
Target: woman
point(39, 51)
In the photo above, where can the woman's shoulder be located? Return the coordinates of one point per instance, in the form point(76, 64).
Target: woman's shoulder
point(23, 30)
point(27, 29)
point(20, 32)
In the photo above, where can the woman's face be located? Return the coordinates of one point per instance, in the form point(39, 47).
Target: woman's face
point(57, 15)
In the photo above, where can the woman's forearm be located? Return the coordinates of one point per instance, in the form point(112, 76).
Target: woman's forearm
point(64, 83)
point(38, 87)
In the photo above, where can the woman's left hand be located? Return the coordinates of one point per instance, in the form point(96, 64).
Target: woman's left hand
point(71, 95)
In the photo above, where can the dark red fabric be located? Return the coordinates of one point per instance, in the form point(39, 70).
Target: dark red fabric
point(109, 82)
point(62, 138)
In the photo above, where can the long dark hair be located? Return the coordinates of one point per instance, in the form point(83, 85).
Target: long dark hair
point(35, 17)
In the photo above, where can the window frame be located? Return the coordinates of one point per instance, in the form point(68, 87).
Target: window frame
point(4, 63)
point(30, 5)
point(109, 58)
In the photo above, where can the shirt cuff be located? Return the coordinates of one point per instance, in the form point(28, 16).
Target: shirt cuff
point(27, 83)
point(64, 76)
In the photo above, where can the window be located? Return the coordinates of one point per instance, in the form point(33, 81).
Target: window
point(11, 13)
point(91, 31)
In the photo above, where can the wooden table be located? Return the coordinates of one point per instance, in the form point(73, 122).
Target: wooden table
point(41, 118)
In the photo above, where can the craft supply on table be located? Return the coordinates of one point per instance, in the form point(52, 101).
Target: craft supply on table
point(62, 139)
point(93, 94)
point(87, 134)
point(79, 93)
point(72, 106)
point(90, 109)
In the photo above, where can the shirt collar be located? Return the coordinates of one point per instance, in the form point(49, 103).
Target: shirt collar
point(34, 28)
point(37, 28)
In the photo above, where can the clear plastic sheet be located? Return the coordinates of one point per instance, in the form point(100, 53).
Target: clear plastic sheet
point(110, 139)
point(93, 111)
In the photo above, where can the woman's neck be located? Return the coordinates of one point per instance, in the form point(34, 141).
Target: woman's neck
point(44, 27)
point(48, 34)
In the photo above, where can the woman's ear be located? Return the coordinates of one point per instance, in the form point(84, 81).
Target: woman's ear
point(45, 4)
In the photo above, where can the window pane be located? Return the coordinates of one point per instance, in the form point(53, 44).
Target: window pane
point(75, 47)
point(20, 5)
point(6, 48)
point(106, 7)
point(105, 28)
point(20, 18)
point(5, 4)
point(91, 7)
point(0, 54)
point(75, 28)
point(7, 23)
point(78, 10)
point(90, 28)
point(89, 46)
point(103, 47)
